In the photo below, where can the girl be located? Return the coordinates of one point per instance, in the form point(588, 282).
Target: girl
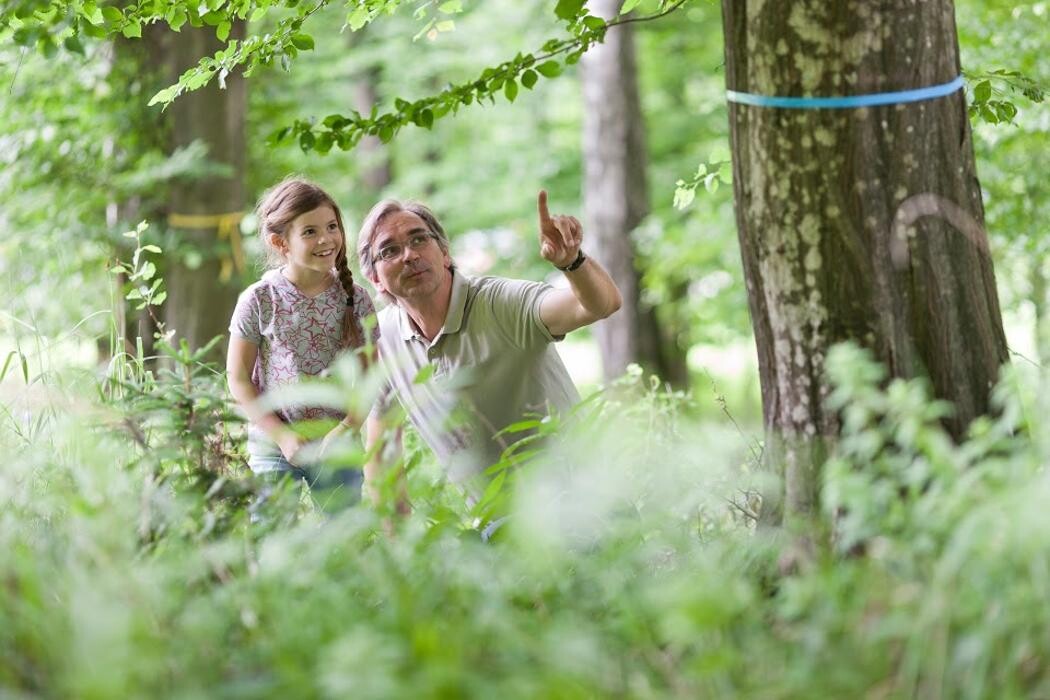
point(293, 322)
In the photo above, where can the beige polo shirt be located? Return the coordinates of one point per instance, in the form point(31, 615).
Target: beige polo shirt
point(492, 364)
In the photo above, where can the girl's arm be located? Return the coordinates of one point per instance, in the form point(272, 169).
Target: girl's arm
point(240, 360)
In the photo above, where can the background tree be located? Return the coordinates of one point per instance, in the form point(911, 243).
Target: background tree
point(616, 199)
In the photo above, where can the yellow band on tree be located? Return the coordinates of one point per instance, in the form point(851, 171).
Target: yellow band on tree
point(228, 227)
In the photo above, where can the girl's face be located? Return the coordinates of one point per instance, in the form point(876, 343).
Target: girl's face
point(314, 240)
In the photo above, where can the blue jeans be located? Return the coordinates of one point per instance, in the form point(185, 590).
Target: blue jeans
point(332, 487)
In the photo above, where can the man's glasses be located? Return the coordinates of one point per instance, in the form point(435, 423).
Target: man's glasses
point(392, 251)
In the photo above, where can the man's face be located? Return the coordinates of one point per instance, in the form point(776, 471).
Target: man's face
point(419, 268)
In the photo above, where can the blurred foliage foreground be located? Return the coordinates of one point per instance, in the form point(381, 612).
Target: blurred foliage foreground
point(631, 564)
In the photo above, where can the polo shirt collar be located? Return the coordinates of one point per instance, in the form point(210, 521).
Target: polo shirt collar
point(457, 304)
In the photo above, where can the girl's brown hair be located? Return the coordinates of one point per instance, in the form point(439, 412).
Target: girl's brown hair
point(277, 209)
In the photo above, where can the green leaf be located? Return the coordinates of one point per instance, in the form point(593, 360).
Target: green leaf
point(112, 14)
point(424, 374)
point(335, 121)
point(358, 18)
point(306, 140)
point(151, 249)
point(445, 25)
point(982, 91)
point(92, 13)
point(160, 297)
point(427, 117)
point(165, 96)
point(7, 363)
point(93, 31)
point(451, 7)
point(549, 69)
point(510, 89)
point(529, 78)
point(132, 30)
point(177, 19)
point(303, 42)
point(568, 9)
point(222, 32)
point(592, 22)
point(147, 271)
point(324, 142)
point(629, 5)
point(683, 197)
point(73, 45)
point(279, 135)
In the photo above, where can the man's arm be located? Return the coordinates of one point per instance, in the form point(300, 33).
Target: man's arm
point(592, 294)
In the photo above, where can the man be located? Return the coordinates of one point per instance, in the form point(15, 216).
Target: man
point(488, 340)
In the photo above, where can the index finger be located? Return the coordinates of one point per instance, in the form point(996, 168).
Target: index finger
point(545, 215)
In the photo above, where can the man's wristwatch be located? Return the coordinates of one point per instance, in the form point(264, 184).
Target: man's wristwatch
point(575, 264)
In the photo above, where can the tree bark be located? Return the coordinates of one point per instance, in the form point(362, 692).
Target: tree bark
point(857, 224)
point(201, 297)
point(616, 200)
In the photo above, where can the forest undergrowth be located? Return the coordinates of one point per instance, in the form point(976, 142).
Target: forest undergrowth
point(140, 558)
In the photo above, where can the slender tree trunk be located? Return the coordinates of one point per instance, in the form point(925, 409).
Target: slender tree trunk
point(373, 155)
point(616, 200)
point(201, 296)
point(857, 224)
point(1039, 303)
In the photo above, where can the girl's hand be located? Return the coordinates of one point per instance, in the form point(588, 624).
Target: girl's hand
point(290, 443)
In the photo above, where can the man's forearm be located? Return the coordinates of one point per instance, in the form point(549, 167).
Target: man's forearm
point(594, 289)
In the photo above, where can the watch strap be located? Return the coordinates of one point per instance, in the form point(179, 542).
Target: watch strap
point(575, 264)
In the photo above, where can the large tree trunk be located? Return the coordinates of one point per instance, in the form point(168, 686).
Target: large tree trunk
point(616, 199)
point(822, 198)
point(201, 297)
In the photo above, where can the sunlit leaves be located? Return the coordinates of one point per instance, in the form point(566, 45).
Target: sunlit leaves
point(718, 171)
point(994, 93)
point(144, 287)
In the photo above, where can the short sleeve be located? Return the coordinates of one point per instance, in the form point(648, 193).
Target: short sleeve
point(515, 307)
point(246, 321)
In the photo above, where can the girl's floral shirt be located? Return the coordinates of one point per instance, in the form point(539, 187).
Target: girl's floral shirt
point(297, 336)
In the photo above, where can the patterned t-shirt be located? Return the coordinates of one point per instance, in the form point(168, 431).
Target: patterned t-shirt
point(297, 335)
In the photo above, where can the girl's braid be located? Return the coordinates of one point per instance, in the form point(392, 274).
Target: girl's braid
point(353, 336)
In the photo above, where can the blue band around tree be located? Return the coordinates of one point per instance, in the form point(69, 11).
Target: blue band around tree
point(872, 100)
